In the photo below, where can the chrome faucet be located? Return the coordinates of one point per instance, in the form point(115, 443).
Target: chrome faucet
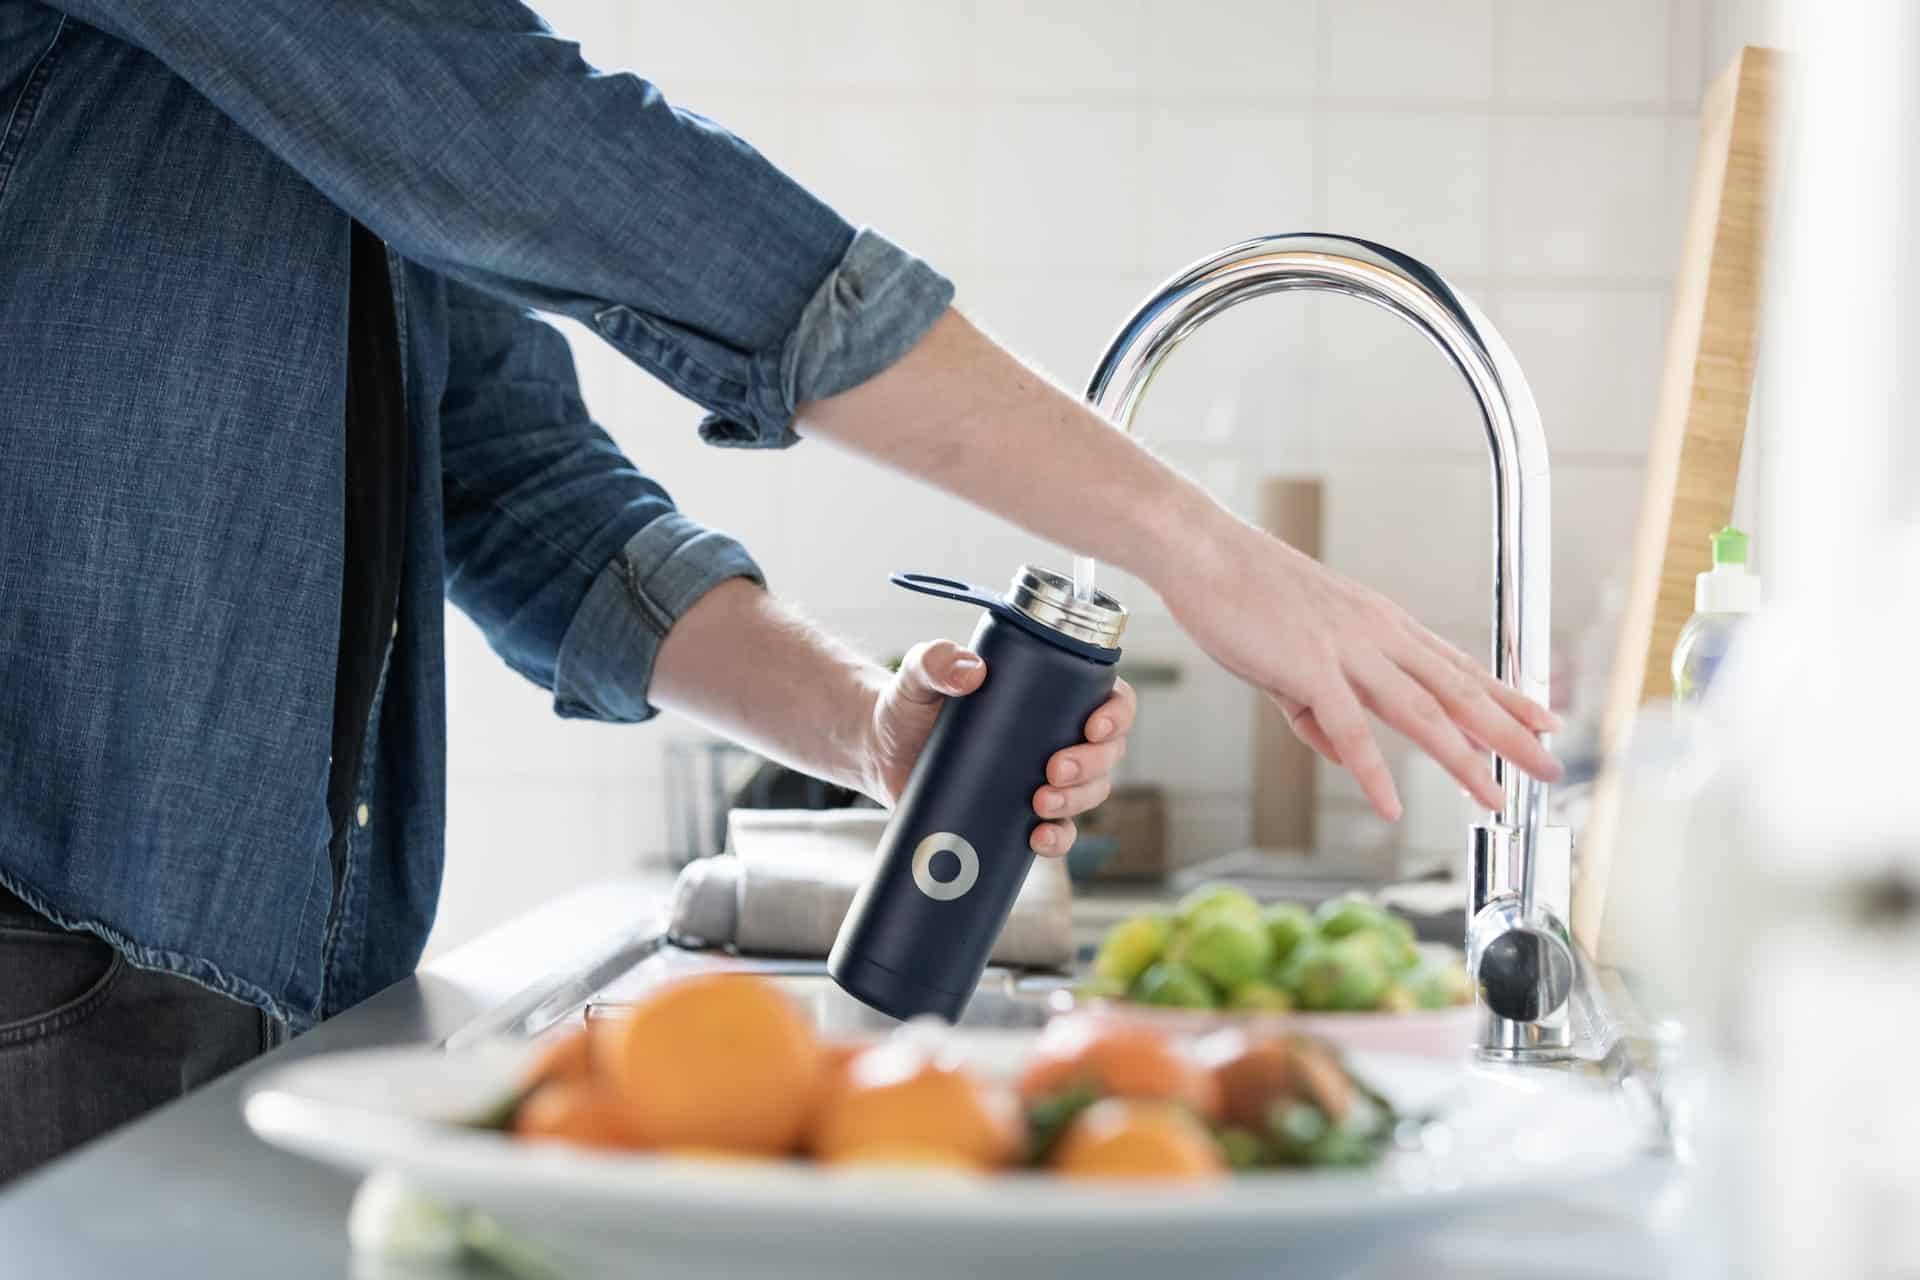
point(1519, 950)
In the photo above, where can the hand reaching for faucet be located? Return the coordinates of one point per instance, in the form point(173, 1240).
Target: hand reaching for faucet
point(1328, 649)
point(963, 413)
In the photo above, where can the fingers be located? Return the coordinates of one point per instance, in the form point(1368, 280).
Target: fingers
point(1113, 717)
point(1511, 700)
point(1306, 728)
point(1051, 839)
point(1345, 727)
point(1402, 702)
point(936, 669)
point(1489, 723)
point(1064, 802)
point(1088, 760)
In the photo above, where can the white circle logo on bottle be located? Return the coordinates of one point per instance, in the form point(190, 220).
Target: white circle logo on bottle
point(963, 880)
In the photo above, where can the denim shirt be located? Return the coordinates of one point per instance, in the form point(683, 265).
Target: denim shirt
point(177, 182)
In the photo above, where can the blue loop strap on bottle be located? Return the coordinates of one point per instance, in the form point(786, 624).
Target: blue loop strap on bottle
point(958, 848)
point(1041, 604)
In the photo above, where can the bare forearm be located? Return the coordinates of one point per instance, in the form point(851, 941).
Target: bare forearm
point(964, 414)
point(747, 667)
point(961, 412)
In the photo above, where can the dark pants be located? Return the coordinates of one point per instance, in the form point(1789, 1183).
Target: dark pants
point(88, 1042)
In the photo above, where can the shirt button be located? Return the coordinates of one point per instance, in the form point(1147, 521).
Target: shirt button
point(361, 815)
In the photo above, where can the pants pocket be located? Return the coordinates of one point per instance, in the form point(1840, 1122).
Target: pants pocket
point(50, 979)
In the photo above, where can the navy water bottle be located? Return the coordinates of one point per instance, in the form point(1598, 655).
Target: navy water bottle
point(952, 860)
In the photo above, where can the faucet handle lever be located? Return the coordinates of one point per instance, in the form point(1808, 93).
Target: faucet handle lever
point(1525, 974)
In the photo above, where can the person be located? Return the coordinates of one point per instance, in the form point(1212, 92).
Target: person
point(274, 382)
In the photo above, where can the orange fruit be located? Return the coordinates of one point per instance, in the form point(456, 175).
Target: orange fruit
point(900, 1155)
point(902, 1103)
point(1118, 1059)
point(835, 1057)
point(577, 1111)
point(715, 1060)
point(564, 1058)
point(1124, 1138)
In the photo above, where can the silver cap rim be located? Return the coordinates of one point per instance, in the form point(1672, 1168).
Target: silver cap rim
point(1047, 598)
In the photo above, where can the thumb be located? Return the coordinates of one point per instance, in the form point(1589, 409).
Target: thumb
point(939, 669)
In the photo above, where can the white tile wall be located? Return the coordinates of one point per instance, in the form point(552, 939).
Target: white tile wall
point(1400, 49)
point(1612, 54)
point(1584, 195)
point(1418, 180)
point(1058, 157)
point(1221, 173)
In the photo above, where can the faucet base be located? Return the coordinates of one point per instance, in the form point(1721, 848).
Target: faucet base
point(1522, 961)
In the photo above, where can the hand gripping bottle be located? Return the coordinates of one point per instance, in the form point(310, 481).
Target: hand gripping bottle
point(955, 854)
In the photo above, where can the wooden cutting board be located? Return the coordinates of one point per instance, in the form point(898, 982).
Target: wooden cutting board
point(1700, 426)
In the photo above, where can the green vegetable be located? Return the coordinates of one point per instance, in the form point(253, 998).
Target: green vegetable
point(1098, 988)
point(1169, 983)
point(1398, 999)
point(1259, 997)
point(1288, 925)
point(1295, 1127)
point(395, 1224)
point(1242, 1149)
point(393, 1219)
point(1049, 1118)
point(1301, 1134)
point(1351, 913)
point(1227, 948)
point(1130, 947)
point(1440, 983)
point(1350, 974)
point(1209, 898)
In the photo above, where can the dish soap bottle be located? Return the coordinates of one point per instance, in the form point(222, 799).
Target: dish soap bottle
point(1722, 599)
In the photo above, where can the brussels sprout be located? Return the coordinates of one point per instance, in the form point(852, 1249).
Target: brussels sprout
point(1351, 974)
point(1350, 913)
point(1398, 999)
point(1344, 917)
point(1100, 988)
point(1130, 947)
point(1439, 983)
point(1176, 985)
point(1227, 949)
point(1209, 898)
point(1288, 974)
point(1259, 997)
point(1288, 925)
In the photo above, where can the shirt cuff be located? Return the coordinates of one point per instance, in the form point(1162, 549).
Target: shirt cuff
point(872, 308)
point(606, 658)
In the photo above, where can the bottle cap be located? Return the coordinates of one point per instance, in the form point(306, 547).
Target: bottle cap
point(1729, 546)
point(1047, 598)
point(1727, 587)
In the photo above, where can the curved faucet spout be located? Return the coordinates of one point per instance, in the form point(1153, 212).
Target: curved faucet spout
point(1519, 871)
point(1522, 500)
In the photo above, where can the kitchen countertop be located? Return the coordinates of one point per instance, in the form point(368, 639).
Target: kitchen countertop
point(188, 1191)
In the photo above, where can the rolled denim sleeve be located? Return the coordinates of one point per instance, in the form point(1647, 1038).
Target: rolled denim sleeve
point(476, 142)
point(606, 658)
point(573, 564)
point(869, 311)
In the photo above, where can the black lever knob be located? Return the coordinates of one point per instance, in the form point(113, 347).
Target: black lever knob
point(1525, 975)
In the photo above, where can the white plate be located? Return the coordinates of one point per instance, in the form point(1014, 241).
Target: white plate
point(1505, 1135)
